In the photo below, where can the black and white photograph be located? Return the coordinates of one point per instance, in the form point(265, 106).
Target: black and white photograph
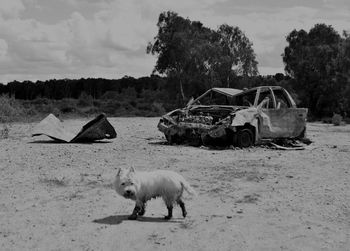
point(204, 125)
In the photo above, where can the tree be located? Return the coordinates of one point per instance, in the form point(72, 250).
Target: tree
point(237, 55)
point(311, 59)
point(343, 74)
point(188, 52)
point(175, 46)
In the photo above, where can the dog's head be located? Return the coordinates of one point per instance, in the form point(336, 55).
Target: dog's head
point(125, 183)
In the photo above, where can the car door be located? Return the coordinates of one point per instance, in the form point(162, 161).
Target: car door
point(280, 118)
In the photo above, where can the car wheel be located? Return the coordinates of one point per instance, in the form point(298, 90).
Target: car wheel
point(168, 138)
point(244, 138)
point(172, 139)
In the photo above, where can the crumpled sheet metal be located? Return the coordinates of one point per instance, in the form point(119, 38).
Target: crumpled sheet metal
point(245, 116)
point(97, 129)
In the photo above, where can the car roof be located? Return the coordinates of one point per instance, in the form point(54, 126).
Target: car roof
point(273, 87)
point(233, 92)
point(227, 91)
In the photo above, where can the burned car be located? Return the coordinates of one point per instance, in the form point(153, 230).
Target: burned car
point(226, 116)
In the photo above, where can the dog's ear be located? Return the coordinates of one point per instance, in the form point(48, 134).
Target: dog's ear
point(132, 169)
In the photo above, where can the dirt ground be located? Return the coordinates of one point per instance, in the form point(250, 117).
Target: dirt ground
point(59, 196)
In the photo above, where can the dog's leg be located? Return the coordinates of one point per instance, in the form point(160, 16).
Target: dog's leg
point(133, 215)
point(143, 209)
point(137, 209)
point(182, 205)
point(170, 212)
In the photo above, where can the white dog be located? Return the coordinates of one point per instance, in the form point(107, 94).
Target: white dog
point(143, 186)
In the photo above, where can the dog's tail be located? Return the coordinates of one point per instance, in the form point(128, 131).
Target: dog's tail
point(188, 188)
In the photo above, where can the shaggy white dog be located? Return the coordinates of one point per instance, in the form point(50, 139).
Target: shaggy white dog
point(143, 186)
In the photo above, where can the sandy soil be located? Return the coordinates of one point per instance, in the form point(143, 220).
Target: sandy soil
point(59, 196)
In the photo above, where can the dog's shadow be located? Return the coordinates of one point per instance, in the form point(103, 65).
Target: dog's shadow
point(117, 219)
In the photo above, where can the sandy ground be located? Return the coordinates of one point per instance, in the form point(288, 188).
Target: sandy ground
point(59, 196)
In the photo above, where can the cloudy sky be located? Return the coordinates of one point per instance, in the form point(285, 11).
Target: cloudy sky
point(44, 39)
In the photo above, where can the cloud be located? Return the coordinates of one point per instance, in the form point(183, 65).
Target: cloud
point(107, 38)
point(110, 43)
point(11, 8)
point(3, 49)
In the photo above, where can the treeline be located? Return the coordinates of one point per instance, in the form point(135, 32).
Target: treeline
point(128, 96)
point(150, 89)
point(68, 88)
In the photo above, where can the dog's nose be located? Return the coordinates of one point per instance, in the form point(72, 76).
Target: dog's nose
point(128, 192)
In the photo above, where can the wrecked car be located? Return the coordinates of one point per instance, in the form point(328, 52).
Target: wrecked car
point(242, 118)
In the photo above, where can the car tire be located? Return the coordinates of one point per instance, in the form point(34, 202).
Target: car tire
point(172, 139)
point(244, 138)
point(168, 138)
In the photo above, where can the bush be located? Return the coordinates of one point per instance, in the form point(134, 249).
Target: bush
point(96, 103)
point(10, 109)
point(67, 105)
point(144, 106)
point(4, 132)
point(67, 109)
point(91, 110)
point(85, 100)
point(336, 119)
point(110, 107)
point(40, 101)
point(158, 108)
point(346, 120)
point(110, 95)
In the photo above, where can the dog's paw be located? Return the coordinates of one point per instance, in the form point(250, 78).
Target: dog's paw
point(132, 217)
point(141, 213)
point(167, 217)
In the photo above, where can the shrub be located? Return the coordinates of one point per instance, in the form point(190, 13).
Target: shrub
point(85, 100)
point(10, 109)
point(112, 95)
point(67, 109)
point(346, 120)
point(40, 101)
point(158, 108)
point(336, 119)
point(97, 103)
point(67, 105)
point(144, 106)
point(109, 107)
point(4, 132)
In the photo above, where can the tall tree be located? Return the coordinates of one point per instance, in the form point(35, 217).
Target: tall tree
point(188, 51)
point(310, 58)
point(343, 74)
point(237, 55)
point(175, 45)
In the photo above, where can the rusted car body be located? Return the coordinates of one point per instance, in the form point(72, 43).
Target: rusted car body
point(226, 116)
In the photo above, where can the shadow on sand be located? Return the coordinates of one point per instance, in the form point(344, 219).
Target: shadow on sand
point(162, 143)
point(62, 142)
point(117, 219)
